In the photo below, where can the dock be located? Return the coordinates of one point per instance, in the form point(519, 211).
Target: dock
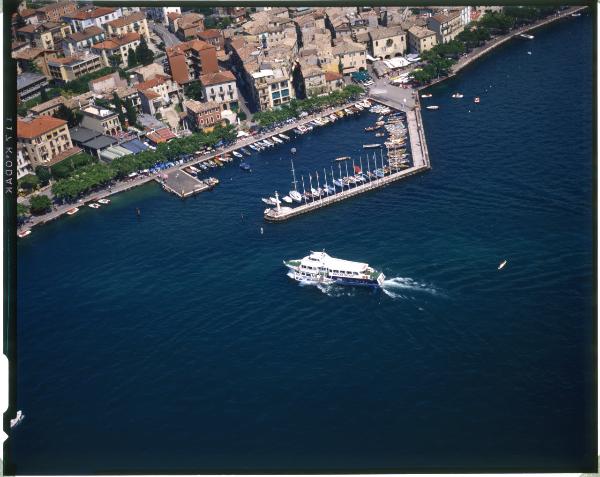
point(182, 184)
point(421, 163)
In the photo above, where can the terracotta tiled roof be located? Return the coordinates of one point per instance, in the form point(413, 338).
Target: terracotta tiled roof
point(149, 94)
point(332, 76)
point(151, 83)
point(63, 155)
point(173, 15)
point(197, 107)
point(210, 79)
point(161, 135)
point(179, 68)
point(116, 41)
point(129, 19)
point(85, 34)
point(38, 126)
point(209, 34)
point(197, 45)
point(91, 13)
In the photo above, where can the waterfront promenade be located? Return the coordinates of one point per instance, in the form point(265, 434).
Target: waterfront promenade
point(122, 186)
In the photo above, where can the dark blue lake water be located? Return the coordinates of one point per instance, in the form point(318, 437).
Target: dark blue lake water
point(176, 341)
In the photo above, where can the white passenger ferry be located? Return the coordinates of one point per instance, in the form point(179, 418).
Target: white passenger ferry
point(319, 267)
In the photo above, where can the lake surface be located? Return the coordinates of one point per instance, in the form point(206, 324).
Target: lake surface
point(176, 342)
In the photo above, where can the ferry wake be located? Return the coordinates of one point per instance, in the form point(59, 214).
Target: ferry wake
point(319, 267)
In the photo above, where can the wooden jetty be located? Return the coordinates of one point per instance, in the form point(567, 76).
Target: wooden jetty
point(420, 157)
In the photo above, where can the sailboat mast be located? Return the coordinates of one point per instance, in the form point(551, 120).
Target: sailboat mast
point(294, 176)
point(303, 190)
point(311, 188)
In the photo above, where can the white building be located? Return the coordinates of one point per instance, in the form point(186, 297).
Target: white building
point(159, 14)
point(92, 16)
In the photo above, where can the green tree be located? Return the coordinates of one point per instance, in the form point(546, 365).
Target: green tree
point(131, 112)
point(29, 182)
point(68, 115)
point(39, 204)
point(43, 95)
point(118, 104)
point(144, 54)
point(22, 211)
point(43, 174)
point(131, 58)
point(193, 90)
point(341, 67)
point(242, 116)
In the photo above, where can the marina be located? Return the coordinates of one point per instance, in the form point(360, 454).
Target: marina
point(379, 176)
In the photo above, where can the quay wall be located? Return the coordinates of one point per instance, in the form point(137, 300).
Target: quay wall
point(421, 163)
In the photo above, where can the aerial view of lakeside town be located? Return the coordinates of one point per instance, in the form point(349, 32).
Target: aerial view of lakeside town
point(303, 238)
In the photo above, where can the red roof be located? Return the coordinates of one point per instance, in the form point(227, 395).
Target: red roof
point(91, 13)
point(151, 83)
point(161, 135)
point(332, 76)
point(117, 41)
point(217, 78)
point(38, 126)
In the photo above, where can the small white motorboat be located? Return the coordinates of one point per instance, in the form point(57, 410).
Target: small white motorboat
point(267, 201)
point(529, 52)
point(237, 154)
point(457, 95)
point(575, 14)
point(287, 199)
point(275, 201)
point(426, 95)
point(296, 196)
point(23, 233)
point(477, 100)
point(526, 36)
point(432, 107)
point(72, 211)
point(17, 419)
point(107, 201)
point(94, 205)
point(502, 264)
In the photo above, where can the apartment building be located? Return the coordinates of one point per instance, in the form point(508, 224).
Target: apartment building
point(213, 37)
point(117, 48)
point(271, 88)
point(446, 25)
point(101, 120)
point(421, 39)
point(47, 35)
point(351, 56)
point(74, 66)
point(82, 40)
point(30, 85)
point(313, 79)
point(220, 88)
point(23, 163)
point(45, 140)
point(189, 60)
point(89, 16)
point(188, 25)
point(160, 14)
point(158, 92)
point(134, 23)
point(202, 115)
point(55, 11)
point(334, 81)
point(387, 42)
point(107, 84)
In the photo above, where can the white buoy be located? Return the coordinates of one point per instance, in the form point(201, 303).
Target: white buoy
point(261, 231)
point(502, 264)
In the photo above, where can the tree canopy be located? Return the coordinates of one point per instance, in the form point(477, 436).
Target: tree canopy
point(39, 204)
point(295, 107)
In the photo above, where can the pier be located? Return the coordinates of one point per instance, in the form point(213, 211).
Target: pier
point(421, 163)
point(182, 184)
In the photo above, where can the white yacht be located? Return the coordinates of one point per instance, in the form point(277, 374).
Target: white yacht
point(319, 267)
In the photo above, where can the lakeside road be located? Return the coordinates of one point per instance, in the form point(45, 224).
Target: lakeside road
point(478, 52)
point(58, 211)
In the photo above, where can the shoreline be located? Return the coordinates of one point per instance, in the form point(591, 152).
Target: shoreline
point(498, 41)
point(475, 54)
point(62, 210)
